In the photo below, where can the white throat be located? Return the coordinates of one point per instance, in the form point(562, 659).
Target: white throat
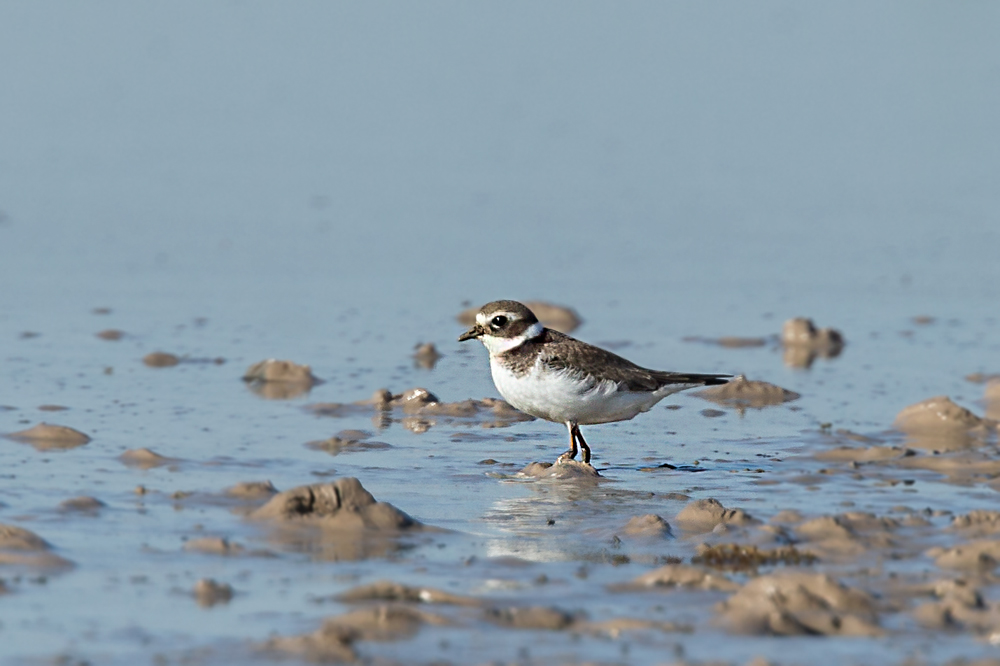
point(497, 345)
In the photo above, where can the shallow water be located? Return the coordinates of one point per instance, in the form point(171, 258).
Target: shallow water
point(332, 185)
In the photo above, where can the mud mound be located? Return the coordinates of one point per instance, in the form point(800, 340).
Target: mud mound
point(425, 355)
point(680, 575)
point(959, 605)
point(46, 436)
point(334, 641)
point(795, 603)
point(160, 359)
point(208, 592)
point(846, 534)
point(804, 343)
point(336, 521)
point(649, 525)
point(568, 470)
point(531, 617)
point(84, 504)
point(976, 557)
point(421, 409)
point(864, 454)
point(938, 415)
point(742, 392)
point(341, 505)
point(279, 380)
point(214, 546)
point(21, 547)
point(145, 458)
point(252, 490)
point(707, 514)
point(386, 590)
point(347, 440)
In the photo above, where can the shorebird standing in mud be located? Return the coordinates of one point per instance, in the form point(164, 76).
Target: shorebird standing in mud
point(552, 376)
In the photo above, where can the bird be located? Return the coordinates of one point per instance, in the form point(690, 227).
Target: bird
point(558, 378)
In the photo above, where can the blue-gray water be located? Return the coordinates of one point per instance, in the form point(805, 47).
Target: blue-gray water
point(333, 183)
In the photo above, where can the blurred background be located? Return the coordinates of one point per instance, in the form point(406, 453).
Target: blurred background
point(710, 161)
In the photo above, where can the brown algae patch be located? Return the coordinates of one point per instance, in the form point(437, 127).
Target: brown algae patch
point(737, 557)
point(742, 392)
point(46, 436)
point(796, 603)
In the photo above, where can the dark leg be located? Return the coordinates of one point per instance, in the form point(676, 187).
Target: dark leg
point(571, 454)
point(583, 443)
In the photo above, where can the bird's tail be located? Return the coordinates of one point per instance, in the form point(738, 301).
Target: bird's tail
point(693, 379)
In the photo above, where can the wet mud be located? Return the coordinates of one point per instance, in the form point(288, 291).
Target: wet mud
point(418, 410)
point(418, 548)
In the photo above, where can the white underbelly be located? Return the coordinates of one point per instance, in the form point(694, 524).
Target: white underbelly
point(561, 397)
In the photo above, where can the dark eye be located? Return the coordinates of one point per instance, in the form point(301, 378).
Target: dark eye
point(498, 322)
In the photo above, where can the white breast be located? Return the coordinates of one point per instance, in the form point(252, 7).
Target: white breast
point(556, 395)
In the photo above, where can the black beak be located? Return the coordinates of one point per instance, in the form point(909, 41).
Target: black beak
point(473, 332)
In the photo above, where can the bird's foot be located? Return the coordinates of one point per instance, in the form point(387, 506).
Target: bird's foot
point(566, 457)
